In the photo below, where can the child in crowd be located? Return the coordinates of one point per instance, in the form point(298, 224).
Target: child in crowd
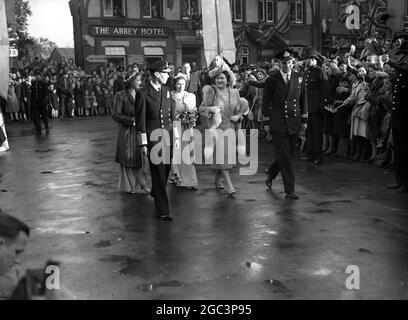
point(100, 100)
point(54, 101)
point(88, 103)
point(94, 104)
point(108, 100)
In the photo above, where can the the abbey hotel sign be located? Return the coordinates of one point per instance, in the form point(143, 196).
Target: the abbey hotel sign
point(128, 31)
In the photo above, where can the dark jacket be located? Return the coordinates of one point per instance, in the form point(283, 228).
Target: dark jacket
point(128, 152)
point(399, 115)
point(157, 109)
point(284, 105)
point(39, 93)
point(316, 88)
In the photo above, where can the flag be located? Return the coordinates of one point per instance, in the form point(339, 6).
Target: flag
point(4, 52)
point(283, 24)
point(372, 13)
point(217, 30)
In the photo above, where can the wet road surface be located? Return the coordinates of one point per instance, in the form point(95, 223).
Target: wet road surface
point(256, 246)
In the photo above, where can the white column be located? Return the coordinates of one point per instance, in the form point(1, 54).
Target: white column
point(5, 146)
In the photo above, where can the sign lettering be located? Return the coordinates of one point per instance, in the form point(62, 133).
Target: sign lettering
point(125, 31)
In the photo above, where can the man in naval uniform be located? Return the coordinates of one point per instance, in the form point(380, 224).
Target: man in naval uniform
point(283, 103)
point(153, 105)
point(399, 118)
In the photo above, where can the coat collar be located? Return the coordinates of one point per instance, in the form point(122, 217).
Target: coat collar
point(129, 95)
point(156, 95)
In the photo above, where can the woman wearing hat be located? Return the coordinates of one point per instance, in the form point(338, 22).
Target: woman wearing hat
point(184, 106)
point(133, 163)
point(226, 99)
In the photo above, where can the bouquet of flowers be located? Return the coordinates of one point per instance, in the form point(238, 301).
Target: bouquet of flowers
point(188, 119)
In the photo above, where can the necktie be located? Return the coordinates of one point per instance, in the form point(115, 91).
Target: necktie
point(287, 78)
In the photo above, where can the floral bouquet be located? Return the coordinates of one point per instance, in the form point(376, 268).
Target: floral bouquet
point(188, 119)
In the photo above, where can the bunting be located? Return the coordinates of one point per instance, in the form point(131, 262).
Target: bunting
point(283, 24)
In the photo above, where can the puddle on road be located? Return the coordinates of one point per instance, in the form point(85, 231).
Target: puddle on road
point(363, 250)
point(129, 264)
point(103, 244)
point(321, 211)
point(286, 245)
point(325, 203)
point(44, 150)
point(164, 284)
point(278, 287)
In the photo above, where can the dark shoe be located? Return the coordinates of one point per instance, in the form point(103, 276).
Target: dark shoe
point(166, 217)
point(47, 130)
point(403, 189)
point(219, 185)
point(306, 159)
point(393, 186)
point(268, 180)
point(292, 196)
point(317, 162)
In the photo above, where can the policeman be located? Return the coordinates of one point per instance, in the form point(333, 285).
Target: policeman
point(315, 86)
point(153, 105)
point(283, 103)
point(399, 118)
point(39, 98)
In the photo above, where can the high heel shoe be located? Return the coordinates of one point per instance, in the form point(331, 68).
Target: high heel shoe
point(268, 180)
point(146, 189)
point(219, 185)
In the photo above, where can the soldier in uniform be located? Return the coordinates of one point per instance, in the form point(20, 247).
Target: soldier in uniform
point(153, 105)
point(283, 103)
point(39, 98)
point(315, 86)
point(399, 118)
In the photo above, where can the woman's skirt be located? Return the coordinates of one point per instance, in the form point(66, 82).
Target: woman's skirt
point(130, 179)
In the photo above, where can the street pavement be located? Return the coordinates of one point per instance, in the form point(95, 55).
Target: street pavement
point(257, 245)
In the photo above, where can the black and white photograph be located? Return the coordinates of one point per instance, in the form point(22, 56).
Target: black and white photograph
point(184, 152)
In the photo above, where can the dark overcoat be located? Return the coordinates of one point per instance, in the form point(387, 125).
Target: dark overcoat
point(316, 86)
point(284, 104)
point(125, 113)
point(159, 113)
point(399, 115)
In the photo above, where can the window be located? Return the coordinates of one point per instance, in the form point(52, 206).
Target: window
point(152, 9)
point(115, 51)
point(270, 10)
point(189, 9)
point(114, 8)
point(296, 11)
point(261, 10)
point(245, 55)
point(238, 10)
